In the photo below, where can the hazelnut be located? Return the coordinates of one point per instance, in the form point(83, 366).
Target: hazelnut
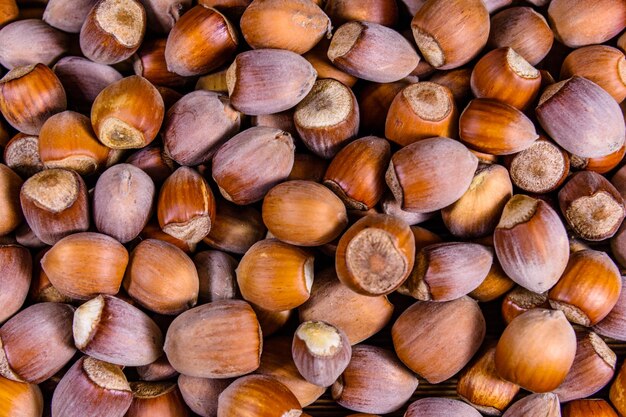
point(436, 407)
point(375, 255)
point(10, 184)
point(428, 330)
point(31, 41)
point(20, 399)
point(536, 350)
point(535, 405)
point(112, 330)
point(16, 267)
point(236, 228)
point(294, 25)
point(200, 41)
point(156, 399)
point(372, 52)
point(67, 15)
point(92, 387)
point(221, 339)
point(450, 33)
point(113, 31)
point(275, 276)
point(84, 265)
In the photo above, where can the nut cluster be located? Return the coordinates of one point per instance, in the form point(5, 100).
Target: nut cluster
point(302, 208)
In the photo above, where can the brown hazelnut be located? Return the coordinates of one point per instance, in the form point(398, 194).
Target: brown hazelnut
point(247, 166)
point(449, 33)
point(428, 330)
point(113, 30)
point(127, 113)
point(536, 350)
point(294, 25)
point(200, 41)
point(29, 95)
point(221, 339)
point(31, 41)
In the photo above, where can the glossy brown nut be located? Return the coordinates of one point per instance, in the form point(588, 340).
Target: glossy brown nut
point(375, 381)
point(186, 206)
point(149, 62)
point(602, 164)
point(216, 340)
point(536, 350)
point(8, 11)
point(588, 289)
point(113, 31)
point(375, 255)
point(277, 362)
point(593, 208)
point(372, 52)
point(589, 407)
point(29, 95)
point(535, 404)
point(478, 211)
point(505, 76)
point(531, 243)
point(581, 117)
point(450, 33)
point(10, 184)
point(90, 387)
point(31, 41)
point(128, 113)
point(15, 276)
point(156, 399)
point(420, 111)
point(84, 265)
point(334, 303)
point(457, 81)
point(604, 65)
point(161, 277)
point(603, 19)
point(294, 25)
point(247, 166)
point(429, 329)
point(327, 118)
point(257, 396)
point(20, 399)
point(268, 81)
point(540, 168)
point(201, 394)
point(377, 11)
point(83, 80)
point(55, 204)
point(524, 30)
point(496, 128)
point(67, 15)
point(37, 342)
point(495, 285)
point(236, 228)
point(66, 140)
point(593, 368)
point(304, 213)
point(112, 330)
point(357, 173)
point(200, 41)
point(440, 407)
point(374, 101)
point(430, 174)
point(447, 271)
point(480, 386)
point(185, 136)
point(617, 394)
point(275, 276)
